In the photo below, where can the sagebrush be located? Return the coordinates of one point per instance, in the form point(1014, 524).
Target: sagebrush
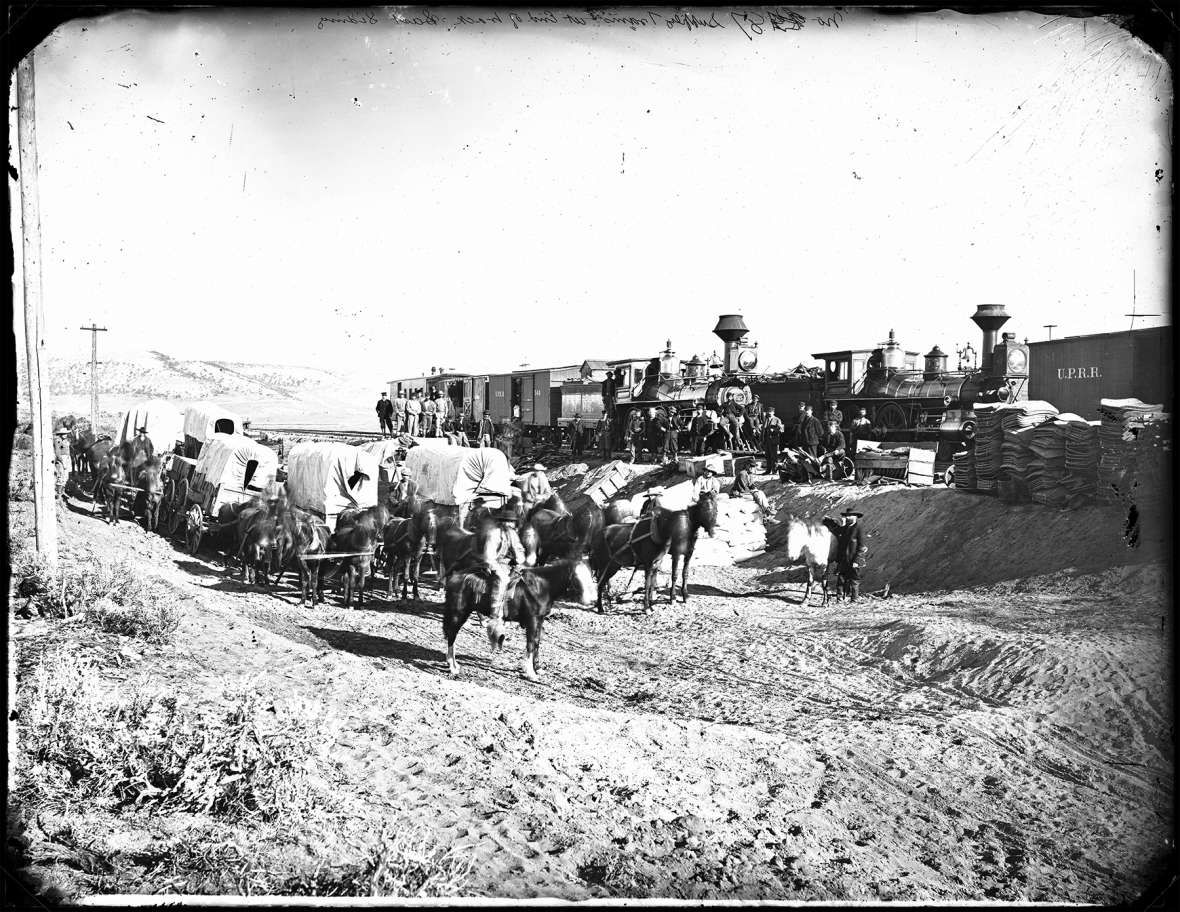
point(242, 758)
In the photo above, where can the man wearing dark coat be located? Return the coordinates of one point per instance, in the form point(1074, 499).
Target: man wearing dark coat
point(772, 433)
point(657, 432)
point(850, 560)
point(608, 394)
point(385, 415)
point(807, 436)
point(831, 446)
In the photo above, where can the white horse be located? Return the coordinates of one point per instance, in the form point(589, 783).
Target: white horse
point(813, 545)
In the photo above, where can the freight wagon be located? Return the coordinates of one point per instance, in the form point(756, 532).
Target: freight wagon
point(1075, 372)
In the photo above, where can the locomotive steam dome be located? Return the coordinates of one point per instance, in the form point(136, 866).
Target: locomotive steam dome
point(935, 363)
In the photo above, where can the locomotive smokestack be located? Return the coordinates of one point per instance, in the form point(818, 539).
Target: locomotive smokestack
point(989, 318)
point(731, 329)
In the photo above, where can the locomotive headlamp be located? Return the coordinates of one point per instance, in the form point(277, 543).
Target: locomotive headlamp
point(1017, 361)
point(747, 359)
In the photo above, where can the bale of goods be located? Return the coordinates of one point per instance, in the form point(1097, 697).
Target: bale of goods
point(1122, 420)
point(1081, 462)
point(964, 464)
point(989, 437)
point(327, 478)
point(1047, 468)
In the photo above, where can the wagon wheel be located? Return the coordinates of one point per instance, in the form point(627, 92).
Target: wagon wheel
point(175, 514)
point(948, 477)
point(846, 468)
point(194, 543)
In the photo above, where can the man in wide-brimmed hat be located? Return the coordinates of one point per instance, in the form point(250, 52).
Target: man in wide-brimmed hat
point(706, 481)
point(852, 551)
point(61, 460)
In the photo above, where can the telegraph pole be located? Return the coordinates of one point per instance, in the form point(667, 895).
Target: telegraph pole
point(1133, 314)
point(94, 331)
point(36, 354)
point(1050, 327)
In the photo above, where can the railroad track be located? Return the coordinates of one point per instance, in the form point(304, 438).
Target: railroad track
point(316, 432)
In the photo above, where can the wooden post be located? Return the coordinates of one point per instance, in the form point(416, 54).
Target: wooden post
point(94, 331)
point(44, 500)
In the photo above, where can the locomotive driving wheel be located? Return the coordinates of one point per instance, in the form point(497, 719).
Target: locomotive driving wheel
point(891, 417)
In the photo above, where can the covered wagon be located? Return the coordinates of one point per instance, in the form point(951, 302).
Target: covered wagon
point(327, 478)
point(389, 455)
point(204, 419)
point(231, 469)
point(457, 475)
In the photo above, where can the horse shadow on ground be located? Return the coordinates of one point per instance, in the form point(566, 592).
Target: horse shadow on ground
point(379, 647)
point(197, 569)
point(778, 594)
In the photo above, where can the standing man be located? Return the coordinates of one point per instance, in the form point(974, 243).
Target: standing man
point(672, 436)
point(832, 413)
point(399, 412)
point(608, 394)
point(385, 415)
point(657, 432)
point(732, 416)
point(772, 433)
point(576, 430)
point(696, 431)
point(443, 408)
point(807, 436)
point(604, 441)
point(851, 559)
point(636, 430)
point(61, 460)
point(487, 430)
point(413, 413)
point(429, 415)
point(861, 428)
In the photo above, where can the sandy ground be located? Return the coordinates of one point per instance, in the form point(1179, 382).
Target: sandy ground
point(1008, 741)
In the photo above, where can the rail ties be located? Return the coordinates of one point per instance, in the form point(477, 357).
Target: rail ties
point(315, 432)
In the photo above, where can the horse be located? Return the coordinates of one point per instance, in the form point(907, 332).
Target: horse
point(565, 534)
point(814, 545)
point(81, 440)
point(682, 539)
point(255, 549)
point(374, 518)
point(358, 542)
point(300, 536)
point(110, 474)
point(529, 597)
point(640, 544)
point(151, 483)
point(553, 503)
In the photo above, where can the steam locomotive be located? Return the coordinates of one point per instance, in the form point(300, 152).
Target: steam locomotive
point(904, 402)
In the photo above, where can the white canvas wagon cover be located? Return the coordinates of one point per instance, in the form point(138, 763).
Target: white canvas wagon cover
point(201, 420)
point(233, 461)
point(318, 477)
point(386, 453)
point(163, 421)
point(457, 475)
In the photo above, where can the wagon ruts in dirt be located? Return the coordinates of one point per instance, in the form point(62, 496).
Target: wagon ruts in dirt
point(231, 469)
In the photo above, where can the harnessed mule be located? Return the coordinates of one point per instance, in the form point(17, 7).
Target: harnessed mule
point(639, 544)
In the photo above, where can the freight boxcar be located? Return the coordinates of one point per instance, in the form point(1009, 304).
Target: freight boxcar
point(499, 401)
point(1075, 372)
point(537, 395)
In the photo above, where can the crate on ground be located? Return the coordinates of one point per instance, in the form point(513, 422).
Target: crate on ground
point(913, 465)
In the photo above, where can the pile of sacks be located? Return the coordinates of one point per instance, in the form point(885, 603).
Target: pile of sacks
point(1123, 420)
point(989, 437)
point(964, 463)
point(1010, 430)
point(1081, 461)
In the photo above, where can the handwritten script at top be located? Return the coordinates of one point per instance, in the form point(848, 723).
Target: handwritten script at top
point(748, 23)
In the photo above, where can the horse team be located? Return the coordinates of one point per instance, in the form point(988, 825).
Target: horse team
point(508, 564)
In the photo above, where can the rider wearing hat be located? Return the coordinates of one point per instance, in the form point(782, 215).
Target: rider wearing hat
point(852, 551)
point(534, 486)
point(706, 481)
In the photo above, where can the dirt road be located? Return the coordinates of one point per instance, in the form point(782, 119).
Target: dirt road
point(1009, 742)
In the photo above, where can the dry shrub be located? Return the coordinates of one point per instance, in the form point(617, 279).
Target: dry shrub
point(240, 759)
point(403, 863)
point(20, 482)
point(111, 596)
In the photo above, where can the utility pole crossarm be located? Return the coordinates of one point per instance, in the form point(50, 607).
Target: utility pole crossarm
point(94, 331)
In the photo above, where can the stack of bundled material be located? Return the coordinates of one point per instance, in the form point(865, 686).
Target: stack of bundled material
point(1016, 423)
point(964, 462)
point(1122, 421)
point(988, 439)
point(1046, 473)
point(1012, 483)
point(1081, 461)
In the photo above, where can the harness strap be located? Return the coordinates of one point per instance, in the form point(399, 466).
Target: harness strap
point(631, 539)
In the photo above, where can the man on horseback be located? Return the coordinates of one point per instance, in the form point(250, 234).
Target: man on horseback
point(498, 552)
point(534, 487)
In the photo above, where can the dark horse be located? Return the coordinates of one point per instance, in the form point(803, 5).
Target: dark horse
point(151, 483)
point(643, 544)
point(530, 595)
point(405, 541)
point(564, 534)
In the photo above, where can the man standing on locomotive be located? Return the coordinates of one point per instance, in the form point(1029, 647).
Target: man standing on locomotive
point(772, 432)
point(399, 412)
point(832, 413)
point(861, 429)
point(608, 394)
point(385, 415)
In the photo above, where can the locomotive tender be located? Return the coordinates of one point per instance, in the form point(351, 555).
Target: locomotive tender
point(906, 403)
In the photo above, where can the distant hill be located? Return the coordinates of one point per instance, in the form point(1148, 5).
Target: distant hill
point(266, 393)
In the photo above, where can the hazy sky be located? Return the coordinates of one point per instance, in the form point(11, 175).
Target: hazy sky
point(271, 186)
